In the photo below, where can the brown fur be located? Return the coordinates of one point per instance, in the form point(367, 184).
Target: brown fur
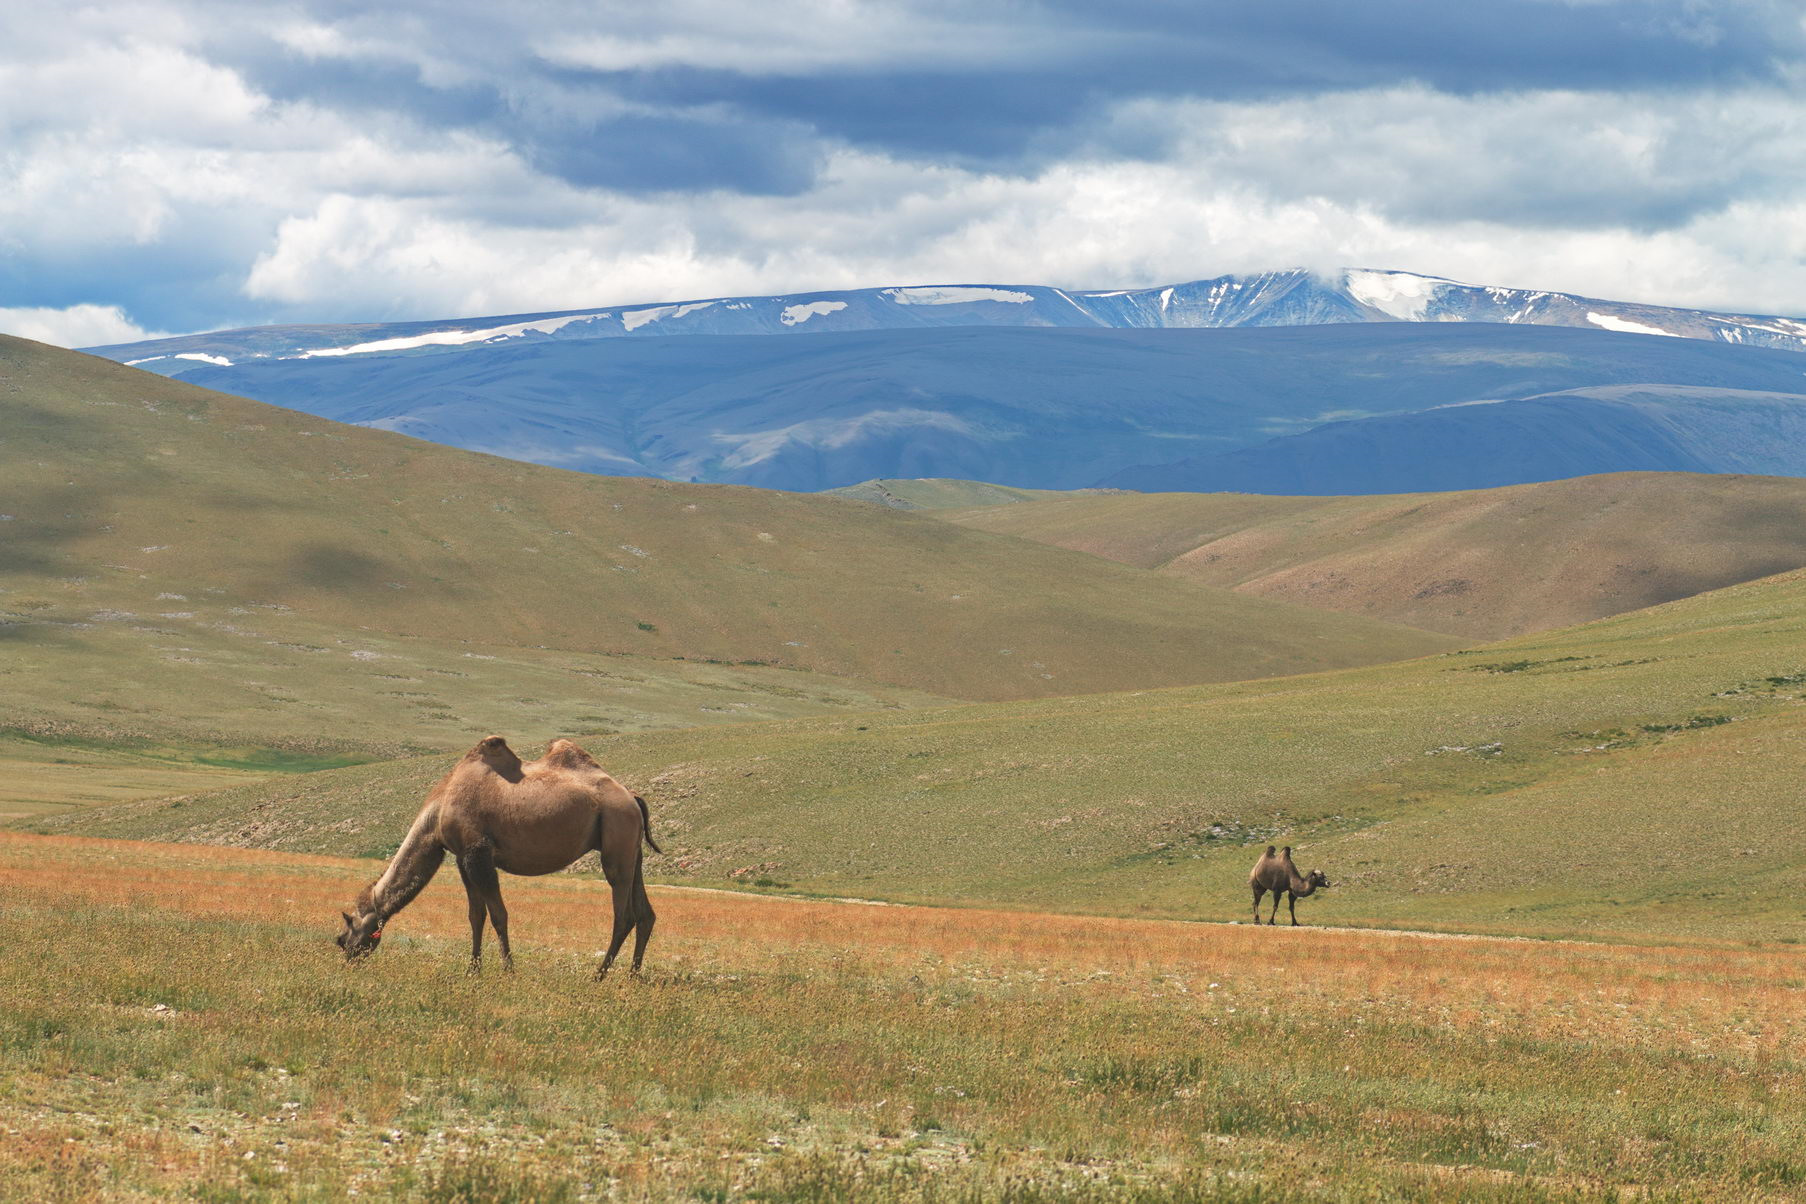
point(1276, 873)
point(494, 813)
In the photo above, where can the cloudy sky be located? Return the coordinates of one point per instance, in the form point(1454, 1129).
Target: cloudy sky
point(180, 165)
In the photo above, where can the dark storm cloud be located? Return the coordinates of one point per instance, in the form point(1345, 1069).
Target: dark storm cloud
point(383, 86)
point(1000, 106)
point(999, 101)
point(665, 152)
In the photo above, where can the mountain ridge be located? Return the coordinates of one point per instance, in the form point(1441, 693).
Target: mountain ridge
point(1510, 441)
point(1289, 297)
point(1017, 406)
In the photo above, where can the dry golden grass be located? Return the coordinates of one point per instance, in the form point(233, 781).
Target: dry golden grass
point(174, 1021)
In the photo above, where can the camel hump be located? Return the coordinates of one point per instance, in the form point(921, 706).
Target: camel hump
point(1270, 850)
point(566, 755)
point(492, 746)
point(493, 752)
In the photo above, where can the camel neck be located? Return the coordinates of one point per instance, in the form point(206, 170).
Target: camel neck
point(412, 867)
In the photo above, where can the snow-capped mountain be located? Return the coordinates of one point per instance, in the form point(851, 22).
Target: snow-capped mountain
point(1279, 382)
point(1287, 298)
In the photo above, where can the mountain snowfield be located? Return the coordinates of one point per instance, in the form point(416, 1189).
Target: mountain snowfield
point(1284, 382)
point(1294, 297)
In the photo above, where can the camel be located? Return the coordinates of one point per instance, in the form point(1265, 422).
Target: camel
point(1279, 875)
point(491, 812)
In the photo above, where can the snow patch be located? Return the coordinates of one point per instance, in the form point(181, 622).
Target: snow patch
point(954, 295)
point(1456, 405)
point(1400, 295)
point(456, 338)
point(1786, 326)
point(425, 427)
point(796, 315)
point(400, 424)
point(553, 456)
point(1608, 322)
point(146, 360)
point(220, 360)
point(635, 318)
point(827, 433)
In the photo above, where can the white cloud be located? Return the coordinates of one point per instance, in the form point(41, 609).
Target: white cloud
point(122, 129)
point(75, 326)
point(874, 220)
point(1539, 158)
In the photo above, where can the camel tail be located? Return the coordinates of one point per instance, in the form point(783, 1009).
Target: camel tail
point(646, 824)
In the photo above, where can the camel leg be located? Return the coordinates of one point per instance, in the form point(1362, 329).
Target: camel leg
point(1274, 918)
point(647, 918)
point(477, 915)
point(624, 917)
point(1292, 905)
point(479, 865)
point(1258, 892)
point(498, 915)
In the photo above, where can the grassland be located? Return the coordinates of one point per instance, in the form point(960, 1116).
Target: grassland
point(266, 689)
point(942, 493)
point(1481, 564)
point(44, 777)
point(1631, 776)
point(201, 1039)
point(138, 502)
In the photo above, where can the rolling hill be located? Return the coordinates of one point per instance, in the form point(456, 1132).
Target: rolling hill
point(1068, 408)
point(1627, 777)
point(1481, 564)
point(182, 563)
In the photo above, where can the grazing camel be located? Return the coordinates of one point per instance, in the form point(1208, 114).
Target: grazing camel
point(491, 812)
point(1279, 875)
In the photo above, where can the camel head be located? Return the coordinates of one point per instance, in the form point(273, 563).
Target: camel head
point(360, 936)
point(1317, 879)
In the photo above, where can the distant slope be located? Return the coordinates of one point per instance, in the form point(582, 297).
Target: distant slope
point(1621, 428)
point(1660, 749)
point(1031, 408)
point(1482, 564)
point(939, 493)
point(1283, 298)
point(153, 530)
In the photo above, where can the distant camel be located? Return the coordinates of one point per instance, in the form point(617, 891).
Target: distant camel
point(492, 813)
point(1279, 875)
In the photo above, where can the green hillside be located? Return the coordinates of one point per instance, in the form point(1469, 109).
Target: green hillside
point(1634, 775)
point(1481, 564)
point(193, 559)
